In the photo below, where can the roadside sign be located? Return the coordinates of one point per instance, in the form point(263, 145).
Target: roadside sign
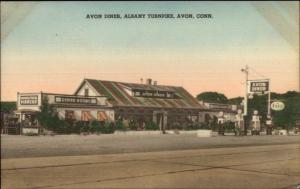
point(277, 106)
point(258, 86)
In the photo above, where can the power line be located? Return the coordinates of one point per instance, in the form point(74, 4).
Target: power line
point(257, 73)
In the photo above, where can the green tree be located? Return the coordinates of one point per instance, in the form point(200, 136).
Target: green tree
point(8, 106)
point(151, 126)
point(49, 119)
point(236, 100)
point(287, 117)
point(214, 97)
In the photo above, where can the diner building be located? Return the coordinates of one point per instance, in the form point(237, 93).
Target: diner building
point(110, 101)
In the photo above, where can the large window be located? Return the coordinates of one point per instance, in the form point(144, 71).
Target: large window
point(86, 116)
point(101, 116)
point(69, 115)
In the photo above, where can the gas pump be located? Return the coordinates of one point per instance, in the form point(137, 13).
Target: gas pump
point(255, 123)
point(239, 123)
point(221, 120)
point(269, 125)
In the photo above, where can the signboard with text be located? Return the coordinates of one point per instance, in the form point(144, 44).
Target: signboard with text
point(75, 100)
point(29, 100)
point(277, 105)
point(258, 86)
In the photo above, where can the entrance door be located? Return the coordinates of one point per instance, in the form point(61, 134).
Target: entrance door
point(160, 121)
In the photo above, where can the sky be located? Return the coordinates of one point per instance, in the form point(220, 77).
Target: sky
point(52, 46)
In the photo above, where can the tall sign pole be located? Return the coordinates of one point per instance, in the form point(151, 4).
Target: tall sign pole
point(269, 100)
point(246, 71)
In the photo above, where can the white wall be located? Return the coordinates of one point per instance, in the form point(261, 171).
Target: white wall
point(77, 112)
point(31, 107)
point(92, 91)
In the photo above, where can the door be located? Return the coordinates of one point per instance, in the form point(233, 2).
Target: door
point(160, 121)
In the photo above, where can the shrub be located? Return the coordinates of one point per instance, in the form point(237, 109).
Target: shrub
point(229, 126)
point(49, 119)
point(151, 126)
point(204, 126)
point(78, 127)
point(108, 127)
point(177, 125)
point(119, 125)
point(133, 125)
point(187, 126)
point(95, 126)
point(31, 134)
point(63, 127)
point(214, 126)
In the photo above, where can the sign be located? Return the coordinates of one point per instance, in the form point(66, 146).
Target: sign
point(30, 130)
point(258, 86)
point(75, 100)
point(277, 106)
point(29, 100)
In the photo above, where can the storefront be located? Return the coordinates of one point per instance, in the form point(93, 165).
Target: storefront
point(110, 101)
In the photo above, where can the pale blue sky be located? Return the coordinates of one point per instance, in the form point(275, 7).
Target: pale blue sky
point(51, 25)
point(56, 38)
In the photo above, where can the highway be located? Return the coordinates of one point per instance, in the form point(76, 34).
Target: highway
point(251, 165)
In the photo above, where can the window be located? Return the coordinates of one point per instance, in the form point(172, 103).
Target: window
point(86, 92)
point(101, 116)
point(69, 115)
point(137, 93)
point(86, 116)
point(170, 95)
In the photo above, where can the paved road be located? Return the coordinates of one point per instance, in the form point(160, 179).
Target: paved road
point(270, 166)
point(44, 146)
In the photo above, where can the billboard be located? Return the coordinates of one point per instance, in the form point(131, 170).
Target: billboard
point(258, 86)
point(29, 100)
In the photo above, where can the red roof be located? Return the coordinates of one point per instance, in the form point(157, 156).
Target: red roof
point(116, 91)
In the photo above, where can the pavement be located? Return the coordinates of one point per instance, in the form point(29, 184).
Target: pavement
point(253, 164)
point(13, 146)
point(264, 166)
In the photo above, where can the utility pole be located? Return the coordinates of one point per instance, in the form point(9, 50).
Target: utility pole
point(246, 71)
point(269, 99)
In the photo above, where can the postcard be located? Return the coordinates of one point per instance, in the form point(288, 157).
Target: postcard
point(140, 94)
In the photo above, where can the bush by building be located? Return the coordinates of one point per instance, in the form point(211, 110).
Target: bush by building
point(133, 125)
point(151, 126)
point(120, 126)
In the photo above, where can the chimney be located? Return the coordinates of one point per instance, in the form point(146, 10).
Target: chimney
point(141, 80)
point(149, 81)
point(154, 82)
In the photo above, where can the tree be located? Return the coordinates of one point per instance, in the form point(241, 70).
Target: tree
point(291, 113)
point(49, 119)
point(285, 118)
point(8, 106)
point(214, 97)
point(236, 100)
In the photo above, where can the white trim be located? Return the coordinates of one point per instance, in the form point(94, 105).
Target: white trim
point(89, 85)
